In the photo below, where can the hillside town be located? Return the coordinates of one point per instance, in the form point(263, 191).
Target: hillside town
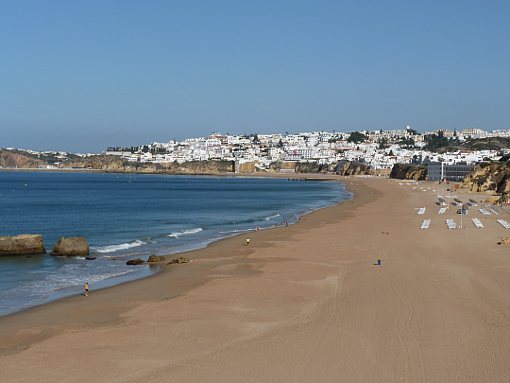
point(378, 149)
point(445, 153)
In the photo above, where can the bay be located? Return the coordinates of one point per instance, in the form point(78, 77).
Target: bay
point(125, 216)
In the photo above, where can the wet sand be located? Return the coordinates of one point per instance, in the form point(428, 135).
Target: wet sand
point(302, 303)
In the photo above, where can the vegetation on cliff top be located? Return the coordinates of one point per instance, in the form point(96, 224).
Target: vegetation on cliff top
point(439, 143)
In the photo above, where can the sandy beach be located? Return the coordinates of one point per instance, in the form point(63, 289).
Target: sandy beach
point(304, 303)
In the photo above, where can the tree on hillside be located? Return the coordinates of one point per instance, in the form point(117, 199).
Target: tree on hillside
point(406, 142)
point(357, 137)
point(383, 143)
point(436, 141)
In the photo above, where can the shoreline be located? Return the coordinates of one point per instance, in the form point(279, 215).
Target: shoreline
point(308, 302)
point(161, 266)
point(134, 275)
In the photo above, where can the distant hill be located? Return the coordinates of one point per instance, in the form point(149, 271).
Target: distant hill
point(18, 158)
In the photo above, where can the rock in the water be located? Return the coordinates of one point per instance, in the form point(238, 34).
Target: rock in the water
point(26, 244)
point(90, 258)
point(155, 258)
point(135, 262)
point(72, 246)
point(178, 260)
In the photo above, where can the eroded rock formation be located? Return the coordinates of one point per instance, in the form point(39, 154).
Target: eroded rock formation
point(492, 177)
point(71, 246)
point(409, 172)
point(26, 244)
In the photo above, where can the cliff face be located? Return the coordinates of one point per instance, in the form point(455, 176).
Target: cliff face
point(10, 159)
point(349, 168)
point(343, 168)
point(489, 178)
point(116, 164)
point(408, 172)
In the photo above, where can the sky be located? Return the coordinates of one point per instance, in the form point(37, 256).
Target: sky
point(83, 75)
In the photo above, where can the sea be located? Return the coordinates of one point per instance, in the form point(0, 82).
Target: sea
point(126, 216)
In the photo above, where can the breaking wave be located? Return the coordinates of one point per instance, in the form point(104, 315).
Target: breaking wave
point(122, 246)
point(178, 234)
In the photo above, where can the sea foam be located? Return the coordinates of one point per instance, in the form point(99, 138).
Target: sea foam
point(178, 234)
point(122, 246)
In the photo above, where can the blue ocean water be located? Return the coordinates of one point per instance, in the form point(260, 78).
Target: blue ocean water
point(127, 216)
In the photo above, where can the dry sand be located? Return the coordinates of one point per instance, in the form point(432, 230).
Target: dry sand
point(303, 303)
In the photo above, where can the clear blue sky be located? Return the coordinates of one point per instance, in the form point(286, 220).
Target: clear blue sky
point(81, 75)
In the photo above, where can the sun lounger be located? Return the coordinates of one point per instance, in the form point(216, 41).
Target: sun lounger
point(451, 224)
point(504, 223)
point(425, 224)
point(421, 211)
point(442, 210)
point(484, 211)
point(477, 223)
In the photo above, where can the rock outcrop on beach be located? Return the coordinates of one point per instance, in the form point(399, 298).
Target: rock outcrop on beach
point(178, 260)
point(135, 262)
point(155, 258)
point(504, 241)
point(71, 246)
point(26, 244)
point(409, 172)
point(489, 177)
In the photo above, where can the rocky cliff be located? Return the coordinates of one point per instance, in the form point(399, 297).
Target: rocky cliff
point(343, 168)
point(115, 164)
point(13, 159)
point(119, 165)
point(408, 172)
point(349, 168)
point(493, 177)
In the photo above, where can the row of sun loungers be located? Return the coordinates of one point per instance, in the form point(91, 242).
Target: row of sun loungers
point(442, 210)
point(504, 223)
point(484, 211)
point(451, 224)
point(477, 223)
point(421, 211)
point(425, 224)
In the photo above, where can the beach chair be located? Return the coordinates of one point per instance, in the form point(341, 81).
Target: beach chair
point(504, 223)
point(477, 223)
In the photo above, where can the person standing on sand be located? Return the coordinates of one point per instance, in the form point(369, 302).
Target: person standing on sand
point(86, 289)
point(247, 241)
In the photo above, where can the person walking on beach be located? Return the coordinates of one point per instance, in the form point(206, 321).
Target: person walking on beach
point(247, 241)
point(86, 289)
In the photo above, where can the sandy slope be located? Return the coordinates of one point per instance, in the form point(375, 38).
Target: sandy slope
point(301, 304)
